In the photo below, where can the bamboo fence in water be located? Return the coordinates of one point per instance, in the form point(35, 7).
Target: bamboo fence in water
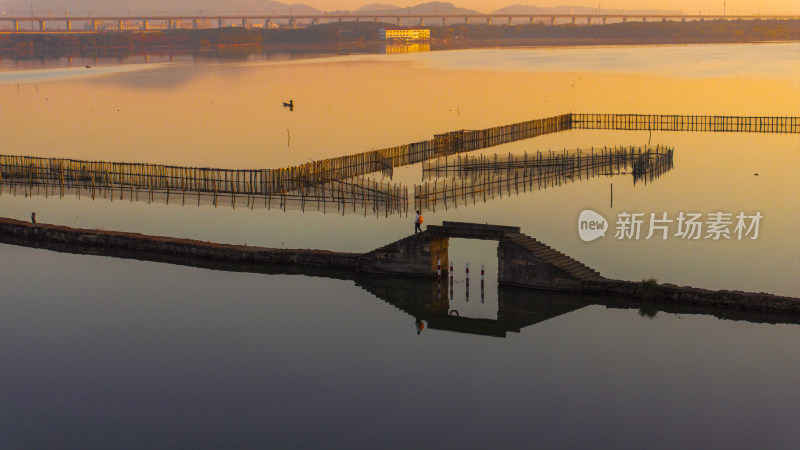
point(340, 180)
point(661, 122)
point(468, 179)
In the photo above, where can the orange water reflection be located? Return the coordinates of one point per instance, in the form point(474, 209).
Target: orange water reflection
point(230, 115)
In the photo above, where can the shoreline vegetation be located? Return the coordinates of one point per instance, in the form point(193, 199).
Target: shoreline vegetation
point(363, 37)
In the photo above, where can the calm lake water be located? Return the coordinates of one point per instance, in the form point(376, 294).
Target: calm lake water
point(101, 352)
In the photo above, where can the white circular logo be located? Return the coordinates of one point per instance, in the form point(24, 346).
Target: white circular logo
point(591, 225)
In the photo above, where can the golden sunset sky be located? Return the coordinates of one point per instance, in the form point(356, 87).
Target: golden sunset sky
point(218, 6)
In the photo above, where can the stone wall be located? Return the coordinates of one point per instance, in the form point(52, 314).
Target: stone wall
point(670, 293)
point(517, 266)
point(178, 247)
point(414, 255)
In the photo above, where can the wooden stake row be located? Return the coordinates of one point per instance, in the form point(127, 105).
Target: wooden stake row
point(486, 177)
point(659, 122)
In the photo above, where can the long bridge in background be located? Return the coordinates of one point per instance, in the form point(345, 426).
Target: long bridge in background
point(89, 23)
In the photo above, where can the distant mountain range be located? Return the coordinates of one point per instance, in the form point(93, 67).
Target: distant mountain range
point(528, 9)
point(422, 8)
point(211, 7)
point(152, 7)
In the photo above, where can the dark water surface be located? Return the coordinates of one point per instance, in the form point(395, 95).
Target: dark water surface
point(104, 352)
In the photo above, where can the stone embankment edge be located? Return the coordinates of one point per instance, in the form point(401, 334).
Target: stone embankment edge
point(667, 293)
point(179, 247)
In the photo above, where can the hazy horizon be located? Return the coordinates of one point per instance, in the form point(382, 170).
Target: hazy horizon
point(58, 7)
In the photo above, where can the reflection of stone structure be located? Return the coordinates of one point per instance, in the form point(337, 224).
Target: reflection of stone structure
point(518, 308)
point(427, 300)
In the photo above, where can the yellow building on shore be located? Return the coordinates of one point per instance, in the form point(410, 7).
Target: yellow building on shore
point(405, 34)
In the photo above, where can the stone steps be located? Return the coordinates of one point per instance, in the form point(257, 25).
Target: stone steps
point(555, 258)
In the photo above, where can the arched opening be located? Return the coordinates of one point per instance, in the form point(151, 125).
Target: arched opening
point(468, 294)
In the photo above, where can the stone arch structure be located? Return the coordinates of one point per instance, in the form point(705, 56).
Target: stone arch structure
point(522, 260)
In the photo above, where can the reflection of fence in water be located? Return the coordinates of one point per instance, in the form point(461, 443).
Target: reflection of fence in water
point(652, 165)
point(156, 183)
point(464, 179)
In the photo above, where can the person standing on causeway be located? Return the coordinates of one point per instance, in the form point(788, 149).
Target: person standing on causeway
point(417, 223)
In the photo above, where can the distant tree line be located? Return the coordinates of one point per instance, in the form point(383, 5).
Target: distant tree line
point(354, 32)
